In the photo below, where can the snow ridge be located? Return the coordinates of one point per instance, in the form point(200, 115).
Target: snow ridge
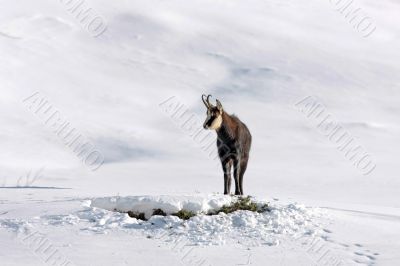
point(252, 228)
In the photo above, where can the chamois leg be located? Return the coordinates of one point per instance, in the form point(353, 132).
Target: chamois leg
point(227, 165)
point(229, 179)
point(243, 167)
point(236, 172)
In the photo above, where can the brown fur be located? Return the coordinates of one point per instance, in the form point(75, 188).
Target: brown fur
point(234, 143)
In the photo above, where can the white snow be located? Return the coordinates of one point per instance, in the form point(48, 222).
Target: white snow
point(169, 204)
point(244, 226)
point(259, 57)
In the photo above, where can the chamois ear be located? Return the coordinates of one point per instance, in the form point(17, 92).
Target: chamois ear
point(219, 106)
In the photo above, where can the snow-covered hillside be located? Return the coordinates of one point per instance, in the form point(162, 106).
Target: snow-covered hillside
point(125, 78)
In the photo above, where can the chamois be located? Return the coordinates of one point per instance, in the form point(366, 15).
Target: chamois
point(233, 142)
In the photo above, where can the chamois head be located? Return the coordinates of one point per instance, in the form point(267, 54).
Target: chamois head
point(214, 113)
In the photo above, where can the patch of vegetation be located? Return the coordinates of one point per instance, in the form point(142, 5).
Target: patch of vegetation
point(241, 203)
point(184, 214)
point(159, 212)
point(137, 215)
point(244, 204)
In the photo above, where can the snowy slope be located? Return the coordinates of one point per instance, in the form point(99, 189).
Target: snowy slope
point(259, 58)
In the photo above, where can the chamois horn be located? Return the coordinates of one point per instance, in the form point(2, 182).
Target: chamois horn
point(206, 101)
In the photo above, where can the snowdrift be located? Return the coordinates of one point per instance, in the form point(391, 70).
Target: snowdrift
point(169, 204)
point(254, 228)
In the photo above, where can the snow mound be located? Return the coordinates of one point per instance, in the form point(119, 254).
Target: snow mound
point(244, 227)
point(169, 204)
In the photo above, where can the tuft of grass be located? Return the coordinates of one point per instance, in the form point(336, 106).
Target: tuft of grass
point(242, 203)
point(184, 214)
point(159, 212)
point(137, 215)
